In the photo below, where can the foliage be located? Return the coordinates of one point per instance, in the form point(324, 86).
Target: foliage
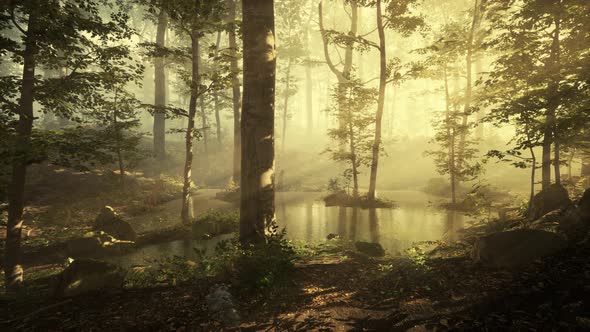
point(352, 103)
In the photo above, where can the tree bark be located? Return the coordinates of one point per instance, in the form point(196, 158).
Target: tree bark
point(380, 103)
point(160, 91)
point(13, 270)
point(257, 181)
point(236, 97)
point(186, 213)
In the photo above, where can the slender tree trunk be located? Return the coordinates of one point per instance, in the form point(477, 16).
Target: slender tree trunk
point(353, 161)
point(257, 182)
point(342, 75)
point(554, 93)
point(480, 130)
point(450, 136)
point(205, 126)
point(468, 90)
point(160, 91)
point(13, 270)
point(186, 213)
point(533, 174)
point(380, 103)
point(308, 80)
point(286, 105)
point(216, 99)
point(236, 97)
point(118, 139)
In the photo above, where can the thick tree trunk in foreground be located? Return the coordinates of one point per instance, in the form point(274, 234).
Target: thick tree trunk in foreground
point(13, 270)
point(236, 97)
point(160, 91)
point(186, 213)
point(257, 181)
point(380, 104)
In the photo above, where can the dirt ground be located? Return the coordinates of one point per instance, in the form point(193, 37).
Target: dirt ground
point(345, 292)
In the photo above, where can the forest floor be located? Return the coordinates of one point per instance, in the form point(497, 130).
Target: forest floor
point(340, 290)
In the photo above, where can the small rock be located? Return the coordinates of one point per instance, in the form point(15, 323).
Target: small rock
point(516, 248)
point(370, 248)
point(84, 275)
point(332, 236)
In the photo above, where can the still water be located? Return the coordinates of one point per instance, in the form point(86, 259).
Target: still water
point(415, 218)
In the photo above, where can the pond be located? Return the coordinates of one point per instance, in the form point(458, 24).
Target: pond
point(304, 215)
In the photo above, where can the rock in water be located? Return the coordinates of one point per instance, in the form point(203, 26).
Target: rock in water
point(550, 199)
point(370, 248)
point(221, 304)
point(111, 223)
point(84, 275)
point(517, 248)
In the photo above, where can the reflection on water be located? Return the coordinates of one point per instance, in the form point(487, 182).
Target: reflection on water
point(306, 218)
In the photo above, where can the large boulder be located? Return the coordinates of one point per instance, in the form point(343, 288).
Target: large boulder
point(516, 248)
point(110, 222)
point(86, 275)
point(370, 248)
point(553, 198)
point(569, 222)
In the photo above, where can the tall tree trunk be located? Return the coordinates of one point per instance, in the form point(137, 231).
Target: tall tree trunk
point(468, 89)
point(216, 98)
point(13, 270)
point(257, 181)
point(342, 75)
point(186, 213)
point(160, 91)
point(380, 103)
point(205, 129)
point(554, 93)
point(286, 104)
point(118, 139)
point(353, 161)
point(308, 80)
point(450, 137)
point(236, 97)
point(480, 130)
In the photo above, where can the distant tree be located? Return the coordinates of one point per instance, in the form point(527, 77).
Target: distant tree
point(290, 51)
point(352, 107)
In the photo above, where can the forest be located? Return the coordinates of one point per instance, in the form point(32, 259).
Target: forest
point(295, 165)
